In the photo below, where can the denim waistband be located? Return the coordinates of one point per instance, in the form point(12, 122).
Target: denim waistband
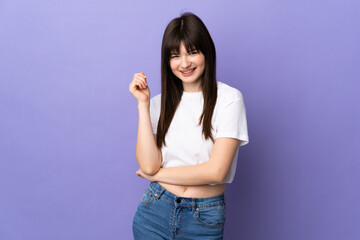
point(160, 192)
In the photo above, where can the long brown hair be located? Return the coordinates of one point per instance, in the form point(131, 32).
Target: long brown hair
point(189, 29)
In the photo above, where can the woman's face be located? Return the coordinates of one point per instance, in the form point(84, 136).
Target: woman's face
point(188, 67)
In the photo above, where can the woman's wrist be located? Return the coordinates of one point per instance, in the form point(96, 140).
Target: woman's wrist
point(143, 105)
point(155, 177)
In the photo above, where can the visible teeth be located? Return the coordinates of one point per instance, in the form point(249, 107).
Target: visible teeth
point(189, 71)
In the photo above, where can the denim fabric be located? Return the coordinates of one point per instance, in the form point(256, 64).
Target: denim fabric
point(163, 215)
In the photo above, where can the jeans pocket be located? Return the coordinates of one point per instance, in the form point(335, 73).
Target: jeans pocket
point(213, 216)
point(147, 197)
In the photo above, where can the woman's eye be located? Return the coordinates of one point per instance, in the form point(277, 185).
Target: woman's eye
point(193, 52)
point(173, 56)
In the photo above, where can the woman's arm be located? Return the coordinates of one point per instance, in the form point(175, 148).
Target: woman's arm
point(148, 155)
point(213, 171)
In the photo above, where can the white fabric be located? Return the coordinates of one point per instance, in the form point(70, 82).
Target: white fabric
point(185, 144)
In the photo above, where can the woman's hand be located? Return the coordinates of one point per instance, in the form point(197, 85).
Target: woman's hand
point(151, 178)
point(139, 88)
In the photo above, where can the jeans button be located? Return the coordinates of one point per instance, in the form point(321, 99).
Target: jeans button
point(178, 200)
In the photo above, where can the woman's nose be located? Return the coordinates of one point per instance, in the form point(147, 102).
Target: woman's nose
point(185, 62)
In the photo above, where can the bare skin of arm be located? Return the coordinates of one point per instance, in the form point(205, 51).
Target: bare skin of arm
point(148, 155)
point(213, 171)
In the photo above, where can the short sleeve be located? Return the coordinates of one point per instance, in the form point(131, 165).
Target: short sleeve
point(154, 112)
point(232, 121)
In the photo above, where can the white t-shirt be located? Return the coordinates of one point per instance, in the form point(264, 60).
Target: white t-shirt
point(185, 143)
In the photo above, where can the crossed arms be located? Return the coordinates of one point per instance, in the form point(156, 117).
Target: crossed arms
point(149, 158)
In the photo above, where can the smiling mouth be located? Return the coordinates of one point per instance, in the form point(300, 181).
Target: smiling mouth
point(191, 70)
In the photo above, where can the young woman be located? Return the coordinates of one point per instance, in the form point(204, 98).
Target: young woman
point(188, 138)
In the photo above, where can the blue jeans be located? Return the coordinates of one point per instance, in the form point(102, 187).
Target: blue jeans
point(163, 215)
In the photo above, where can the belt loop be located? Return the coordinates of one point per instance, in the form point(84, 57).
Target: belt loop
point(193, 204)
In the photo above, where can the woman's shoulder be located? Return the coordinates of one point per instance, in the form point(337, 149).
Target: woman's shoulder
point(155, 103)
point(156, 99)
point(227, 93)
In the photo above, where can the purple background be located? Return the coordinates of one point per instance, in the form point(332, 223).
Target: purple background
point(68, 123)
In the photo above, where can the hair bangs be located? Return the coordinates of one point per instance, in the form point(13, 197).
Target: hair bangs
point(172, 46)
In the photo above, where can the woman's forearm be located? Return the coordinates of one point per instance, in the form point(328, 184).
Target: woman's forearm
point(212, 171)
point(148, 155)
point(200, 174)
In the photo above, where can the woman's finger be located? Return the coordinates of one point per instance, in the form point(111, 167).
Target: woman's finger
point(136, 82)
point(139, 173)
point(134, 85)
point(143, 74)
point(140, 83)
point(140, 75)
point(143, 80)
